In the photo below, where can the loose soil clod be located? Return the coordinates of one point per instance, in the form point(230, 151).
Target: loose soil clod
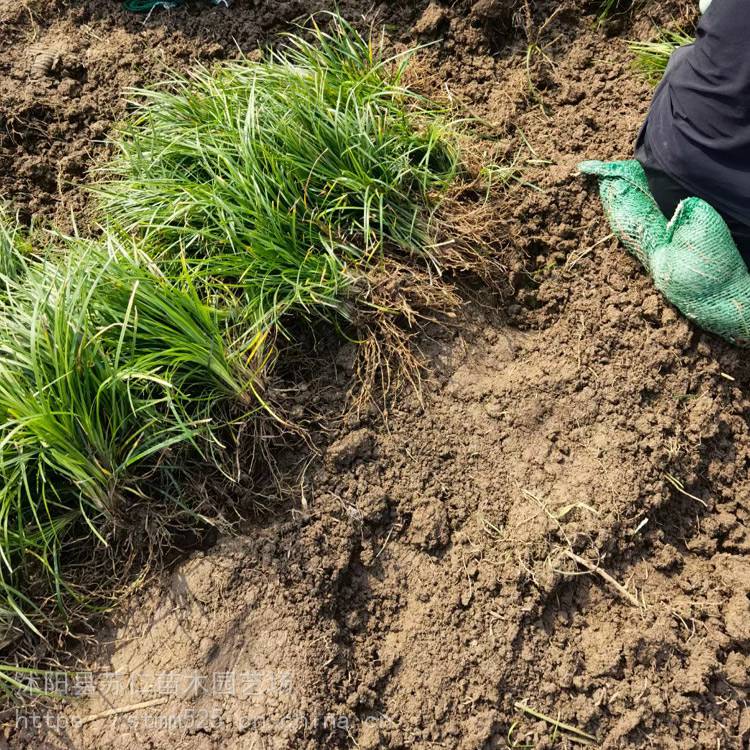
point(44, 63)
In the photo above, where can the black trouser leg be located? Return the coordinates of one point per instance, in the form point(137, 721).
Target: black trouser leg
point(668, 194)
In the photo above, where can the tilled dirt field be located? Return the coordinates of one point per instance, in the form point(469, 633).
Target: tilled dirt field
point(564, 520)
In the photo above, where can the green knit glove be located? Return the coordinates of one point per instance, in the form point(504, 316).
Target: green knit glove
point(692, 258)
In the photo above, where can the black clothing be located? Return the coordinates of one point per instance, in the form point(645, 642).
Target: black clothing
point(697, 134)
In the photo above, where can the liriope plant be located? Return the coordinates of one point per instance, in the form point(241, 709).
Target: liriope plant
point(309, 182)
point(112, 375)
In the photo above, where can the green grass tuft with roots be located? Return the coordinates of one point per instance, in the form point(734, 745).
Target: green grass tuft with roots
point(109, 372)
point(307, 182)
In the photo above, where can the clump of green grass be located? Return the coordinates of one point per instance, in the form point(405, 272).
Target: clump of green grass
point(652, 58)
point(309, 182)
point(109, 373)
point(163, 324)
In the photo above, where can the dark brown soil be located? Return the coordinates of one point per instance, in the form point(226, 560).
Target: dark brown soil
point(564, 522)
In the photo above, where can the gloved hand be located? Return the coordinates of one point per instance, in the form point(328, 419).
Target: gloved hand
point(692, 258)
